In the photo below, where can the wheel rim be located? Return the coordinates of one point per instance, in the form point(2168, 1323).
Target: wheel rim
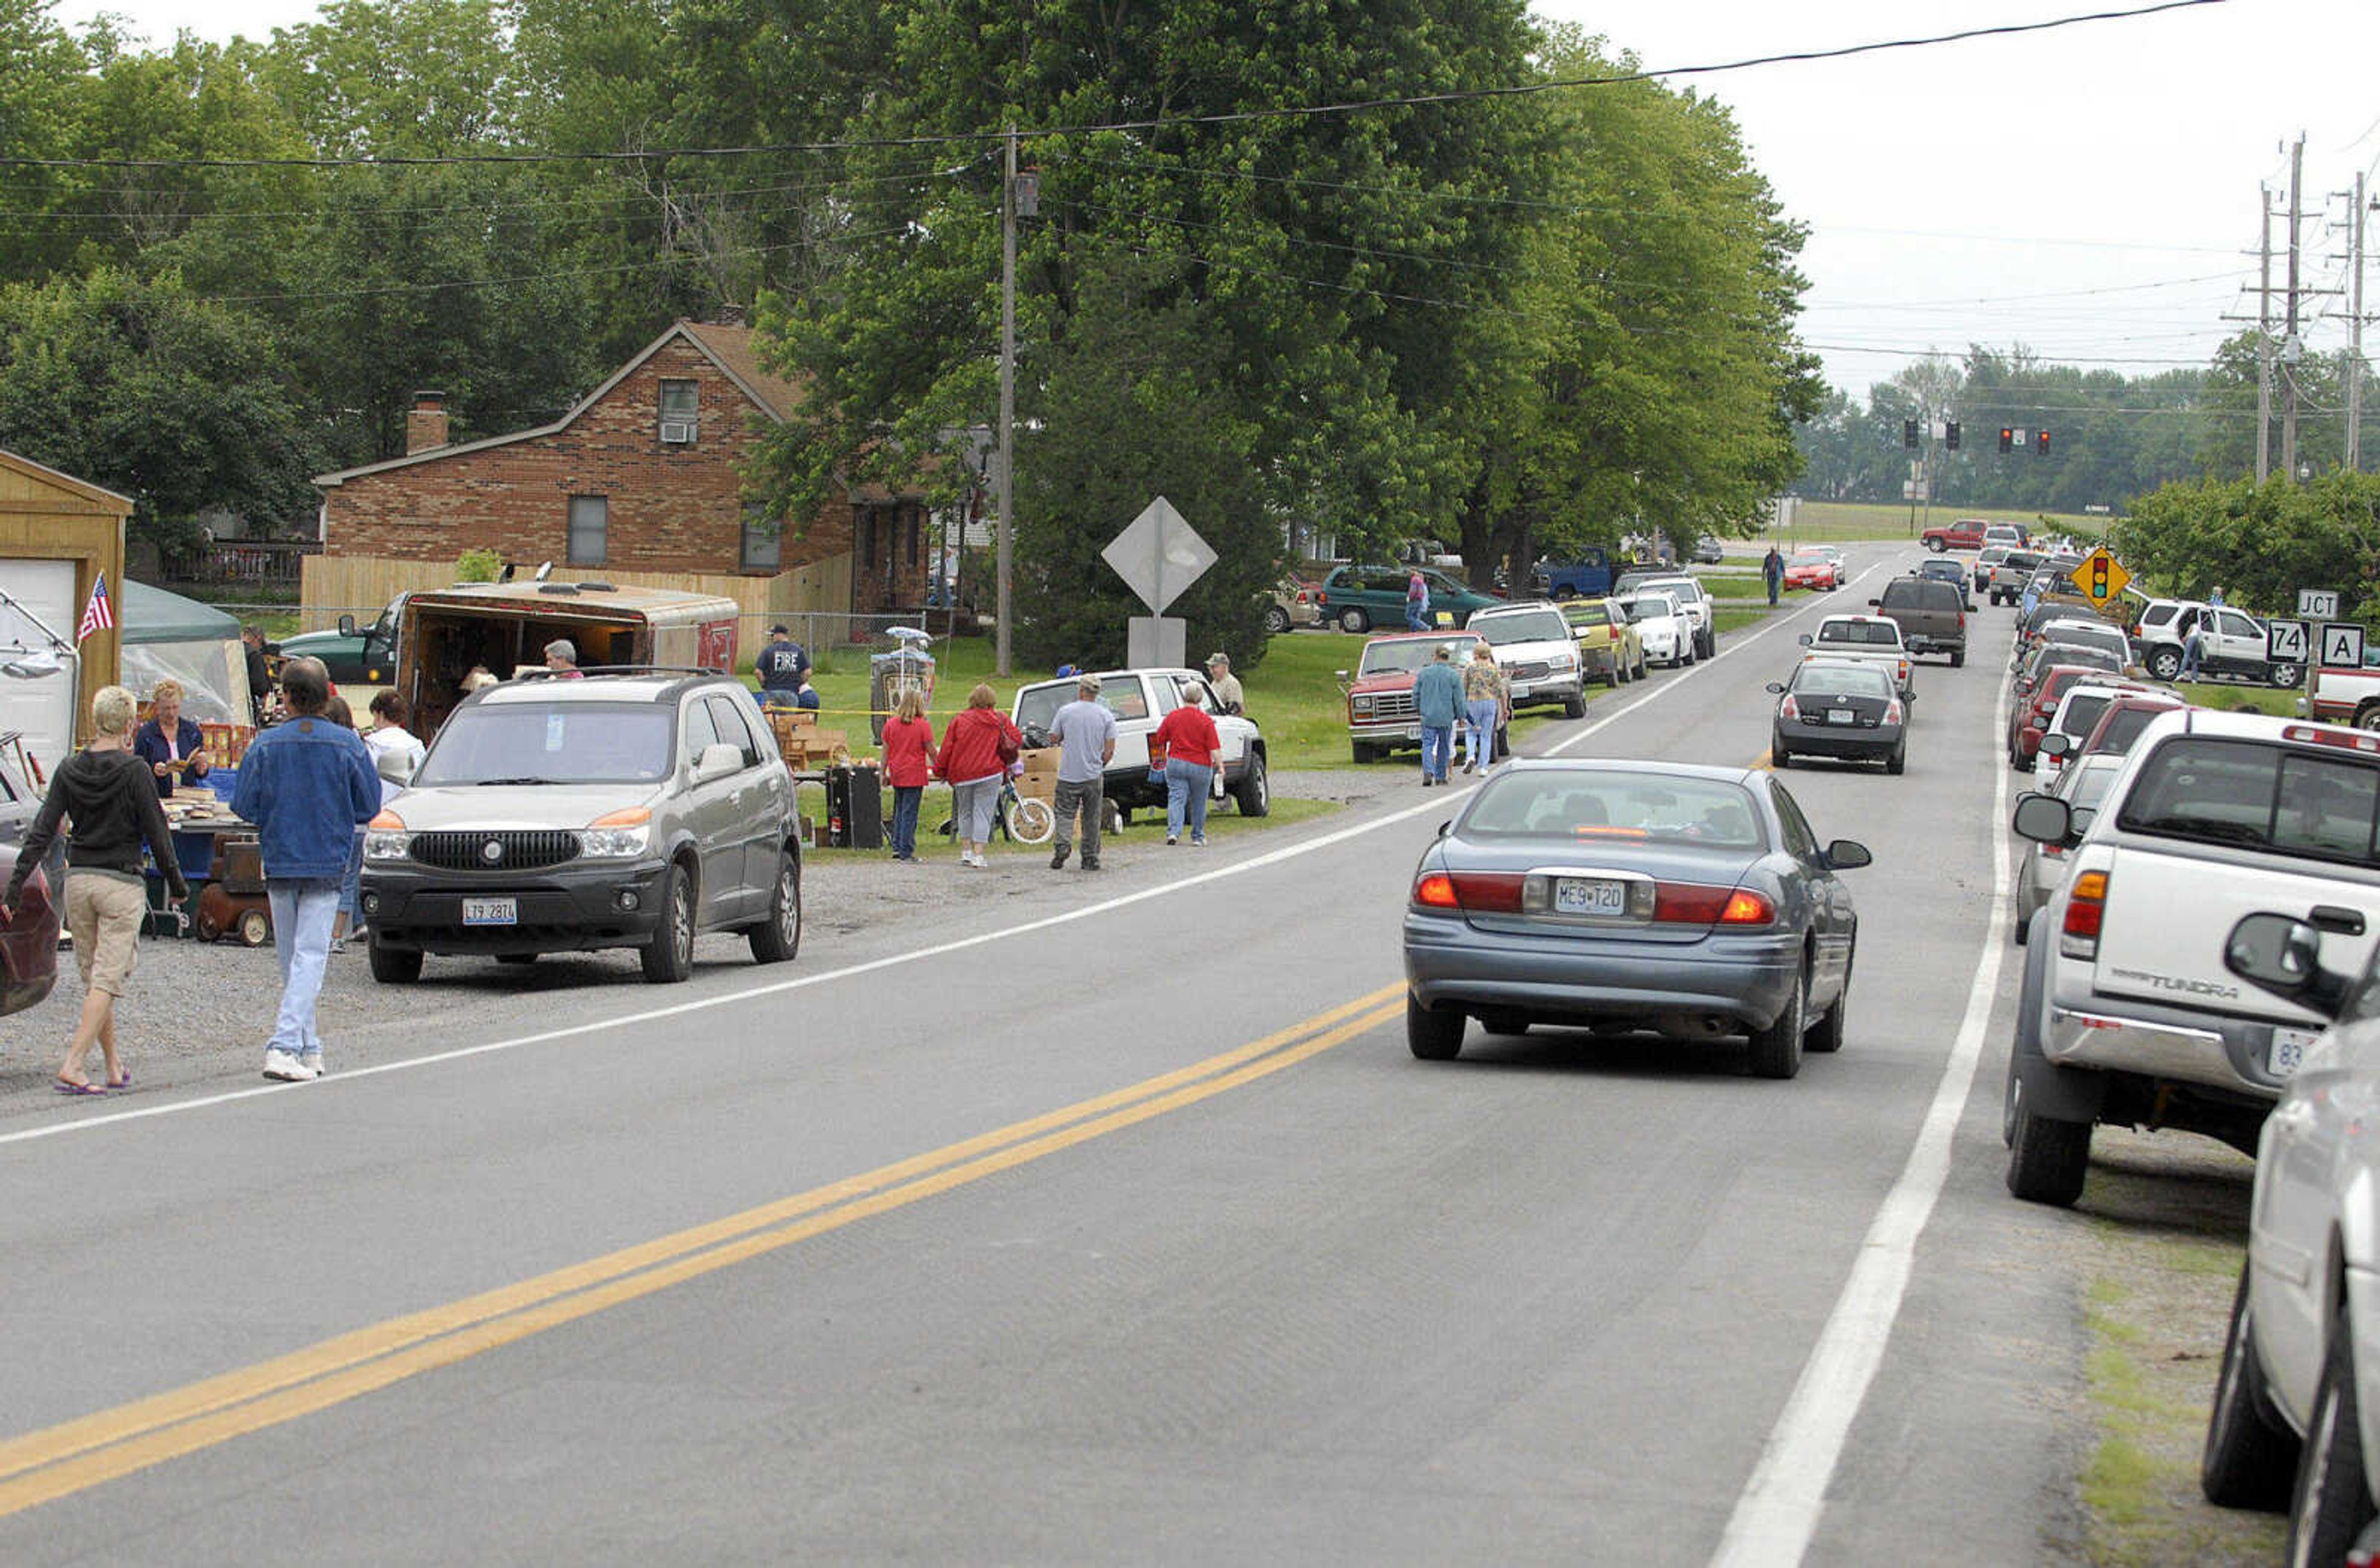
point(1258, 787)
point(682, 922)
point(2368, 720)
point(789, 905)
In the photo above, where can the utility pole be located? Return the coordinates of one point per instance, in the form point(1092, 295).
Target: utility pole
point(2291, 352)
point(1007, 399)
point(2264, 336)
point(2355, 338)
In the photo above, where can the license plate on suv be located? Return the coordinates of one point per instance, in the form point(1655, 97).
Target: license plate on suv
point(491, 912)
point(2288, 1051)
point(1590, 896)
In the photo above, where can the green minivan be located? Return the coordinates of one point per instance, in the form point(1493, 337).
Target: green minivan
point(1359, 598)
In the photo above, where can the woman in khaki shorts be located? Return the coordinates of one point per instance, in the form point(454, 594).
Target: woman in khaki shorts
point(110, 797)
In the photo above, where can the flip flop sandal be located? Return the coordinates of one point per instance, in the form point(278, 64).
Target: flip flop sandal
point(66, 1086)
point(123, 1083)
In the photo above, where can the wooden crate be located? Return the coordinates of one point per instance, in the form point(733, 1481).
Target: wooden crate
point(805, 745)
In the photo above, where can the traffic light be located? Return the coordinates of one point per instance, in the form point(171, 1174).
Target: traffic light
point(2007, 439)
point(1950, 434)
point(2041, 444)
point(1909, 434)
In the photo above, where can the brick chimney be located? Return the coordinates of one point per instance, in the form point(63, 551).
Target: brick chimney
point(426, 426)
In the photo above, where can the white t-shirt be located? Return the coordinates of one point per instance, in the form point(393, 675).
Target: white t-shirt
point(397, 739)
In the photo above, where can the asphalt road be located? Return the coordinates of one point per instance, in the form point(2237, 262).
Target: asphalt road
point(1108, 1221)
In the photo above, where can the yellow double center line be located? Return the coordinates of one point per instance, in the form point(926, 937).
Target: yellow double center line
point(58, 1461)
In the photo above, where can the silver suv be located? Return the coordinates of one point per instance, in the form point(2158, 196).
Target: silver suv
point(627, 808)
point(2129, 1013)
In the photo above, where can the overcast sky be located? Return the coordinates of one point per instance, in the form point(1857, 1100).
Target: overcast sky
point(2089, 192)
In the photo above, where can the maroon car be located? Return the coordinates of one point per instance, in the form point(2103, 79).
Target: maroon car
point(29, 943)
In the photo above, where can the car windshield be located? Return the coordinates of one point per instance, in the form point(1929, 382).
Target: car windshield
point(551, 743)
point(1807, 558)
point(1530, 626)
point(1650, 607)
point(1878, 634)
point(2242, 792)
point(1574, 804)
point(1408, 654)
point(1827, 678)
point(1036, 706)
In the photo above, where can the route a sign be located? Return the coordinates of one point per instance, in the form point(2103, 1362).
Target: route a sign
point(2342, 645)
point(2100, 577)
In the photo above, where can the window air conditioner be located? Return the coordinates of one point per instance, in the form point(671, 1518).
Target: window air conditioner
point(678, 432)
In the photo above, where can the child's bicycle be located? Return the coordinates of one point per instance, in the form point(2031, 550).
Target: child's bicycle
point(1017, 818)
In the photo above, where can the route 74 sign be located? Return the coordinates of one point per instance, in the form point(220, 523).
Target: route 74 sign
point(2100, 577)
point(2287, 642)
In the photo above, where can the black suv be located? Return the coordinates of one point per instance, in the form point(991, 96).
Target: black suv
point(629, 808)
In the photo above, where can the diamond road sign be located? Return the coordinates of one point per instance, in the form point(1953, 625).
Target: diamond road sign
point(2100, 577)
point(1158, 555)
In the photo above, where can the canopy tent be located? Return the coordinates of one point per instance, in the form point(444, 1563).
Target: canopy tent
point(166, 635)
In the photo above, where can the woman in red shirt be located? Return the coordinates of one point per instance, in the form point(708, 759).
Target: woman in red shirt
point(977, 746)
point(1191, 746)
point(908, 763)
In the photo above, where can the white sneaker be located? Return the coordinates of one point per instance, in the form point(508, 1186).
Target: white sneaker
point(281, 1067)
point(311, 1066)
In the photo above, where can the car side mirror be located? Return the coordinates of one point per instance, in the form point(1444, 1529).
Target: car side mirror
point(1876, 602)
point(1806, 639)
point(1776, 688)
point(346, 625)
point(1344, 681)
point(2056, 746)
point(2044, 819)
point(718, 761)
point(1848, 854)
point(2283, 955)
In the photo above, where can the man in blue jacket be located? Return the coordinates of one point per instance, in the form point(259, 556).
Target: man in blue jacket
point(1438, 702)
point(307, 784)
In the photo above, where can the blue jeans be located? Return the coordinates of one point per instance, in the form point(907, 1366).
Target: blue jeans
point(1437, 749)
point(1481, 716)
point(302, 911)
point(1186, 784)
point(2192, 648)
point(351, 883)
point(1417, 616)
point(905, 798)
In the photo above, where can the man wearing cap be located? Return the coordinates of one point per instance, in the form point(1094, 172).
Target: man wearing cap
point(1084, 734)
point(1224, 686)
point(561, 658)
point(784, 668)
point(1438, 702)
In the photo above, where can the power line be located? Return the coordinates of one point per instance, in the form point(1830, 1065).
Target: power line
point(1237, 117)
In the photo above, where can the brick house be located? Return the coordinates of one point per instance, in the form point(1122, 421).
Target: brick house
point(640, 482)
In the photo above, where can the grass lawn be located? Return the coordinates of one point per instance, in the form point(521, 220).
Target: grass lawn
point(1824, 522)
point(2227, 697)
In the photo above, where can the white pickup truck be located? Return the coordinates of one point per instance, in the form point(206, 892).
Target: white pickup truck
point(2128, 1014)
point(2346, 694)
point(1870, 639)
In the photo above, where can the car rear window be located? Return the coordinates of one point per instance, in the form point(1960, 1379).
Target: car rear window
point(1836, 678)
point(1865, 633)
point(2125, 728)
point(2239, 792)
point(1649, 605)
point(2081, 712)
point(560, 743)
point(1586, 614)
point(1573, 805)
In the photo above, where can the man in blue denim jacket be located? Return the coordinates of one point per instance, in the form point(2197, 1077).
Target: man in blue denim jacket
point(307, 784)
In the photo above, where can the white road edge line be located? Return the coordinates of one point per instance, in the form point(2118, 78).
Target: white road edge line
point(657, 1014)
point(1777, 1513)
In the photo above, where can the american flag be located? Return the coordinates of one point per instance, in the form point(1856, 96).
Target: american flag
point(99, 614)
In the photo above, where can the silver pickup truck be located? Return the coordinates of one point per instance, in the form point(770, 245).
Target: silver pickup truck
point(2128, 1014)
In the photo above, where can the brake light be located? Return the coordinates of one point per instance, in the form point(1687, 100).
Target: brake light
point(1788, 709)
point(1746, 908)
point(2349, 740)
point(1490, 892)
point(2086, 908)
point(388, 822)
point(1893, 714)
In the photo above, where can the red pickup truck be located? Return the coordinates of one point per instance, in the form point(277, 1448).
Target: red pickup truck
point(1967, 533)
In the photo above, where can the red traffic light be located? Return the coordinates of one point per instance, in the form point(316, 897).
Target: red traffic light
point(2007, 439)
point(2041, 443)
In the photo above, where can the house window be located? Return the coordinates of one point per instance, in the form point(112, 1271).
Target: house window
point(910, 544)
point(868, 537)
point(681, 407)
point(591, 524)
point(764, 542)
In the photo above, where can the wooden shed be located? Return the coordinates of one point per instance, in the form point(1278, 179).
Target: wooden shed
point(57, 534)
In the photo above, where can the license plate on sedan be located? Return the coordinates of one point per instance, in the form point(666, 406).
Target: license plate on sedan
point(1841, 717)
point(2288, 1051)
point(1590, 896)
point(491, 912)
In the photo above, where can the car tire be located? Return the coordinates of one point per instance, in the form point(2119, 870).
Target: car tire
point(1574, 705)
point(1776, 1052)
point(2330, 1504)
point(1254, 792)
point(1352, 619)
point(1364, 753)
point(2047, 1159)
point(2285, 676)
point(393, 966)
point(1935, 545)
point(1507, 1026)
point(1276, 621)
point(2368, 716)
point(2164, 663)
point(1780, 758)
point(777, 938)
point(1957, 657)
point(1898, 763)
point(2250, 1456)
point(1826, 1035)
point(1642, 668)
point(669, 957)
point(1432, 1036)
